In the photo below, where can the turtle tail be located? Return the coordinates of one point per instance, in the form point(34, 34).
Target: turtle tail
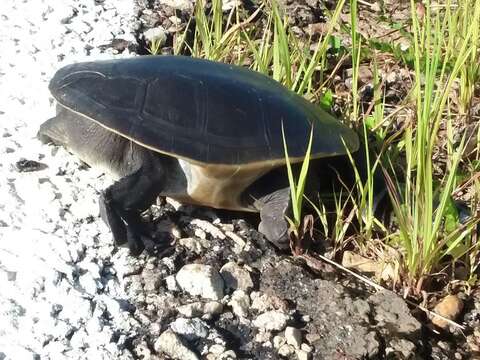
point(52, 131)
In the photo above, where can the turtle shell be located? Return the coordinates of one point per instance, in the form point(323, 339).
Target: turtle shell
point(199, 110)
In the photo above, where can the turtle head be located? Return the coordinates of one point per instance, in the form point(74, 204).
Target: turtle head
point(53, 131)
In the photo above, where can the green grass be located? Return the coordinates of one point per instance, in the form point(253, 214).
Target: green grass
point(297, 186)
point(273, 49)
point(464, 21)
point(425, 230)
point(422, 201)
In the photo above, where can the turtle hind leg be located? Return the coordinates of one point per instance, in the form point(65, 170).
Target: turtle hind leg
point(274, 208)
point(122, 203)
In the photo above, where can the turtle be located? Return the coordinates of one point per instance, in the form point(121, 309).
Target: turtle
point(199, 131)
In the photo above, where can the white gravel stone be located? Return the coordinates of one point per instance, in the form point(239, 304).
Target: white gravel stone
point(193, 244)
point(240, 303)
point(293, 336)
point(151, 280)
point(278, 341)
point(236, 277)
point(262, 302)
point(230, 4)
point(286, 350)
point(171, 344)
point(201, 234)
point(302, 354)
point(194, 309)
point(202, 280)
point(156, 34)
point(216, 349)
point(88, 283)
point(228, 355)
point(271, 320)
point(171, 282)
point(209, 228)
point(51, 238)
point(186, 5)
point(239, 241)
point(213, 308)
point(198, 308)
point(307, 348)
point(79, 339)
point(191, 329)
point(263, 337)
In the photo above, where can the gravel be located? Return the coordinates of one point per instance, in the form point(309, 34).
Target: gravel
point(202, 280)
point(172, 345)
point(54, 271)
point(271, 320)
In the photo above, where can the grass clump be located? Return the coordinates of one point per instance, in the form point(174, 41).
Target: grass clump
point(423, 203)
point(272, 49)
point(426, 233)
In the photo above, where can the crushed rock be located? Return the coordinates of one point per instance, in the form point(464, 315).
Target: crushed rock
point(271, 320)
point(240, 303)
point(191, 329)
point(202, 280)
point(293, 336)
point(172, 345)
point(236, 276)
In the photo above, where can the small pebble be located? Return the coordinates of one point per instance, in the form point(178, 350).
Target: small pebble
point(271, 320)
point(198, 308)
point(171, 344)
point(286, 350)
point(191, 329)
point(24, 165)
point(240, 303)
point(302, 355)
point(172, 284)
point(208, 228)
point(157, 34)
point(278, 341)
point(199, 279)
point(236, 277)
point(293, 337)
point(216, 349)
point(449, 307)
point(228, 355)
point(307, 348)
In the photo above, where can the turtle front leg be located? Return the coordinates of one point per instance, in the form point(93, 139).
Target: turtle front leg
point(274, 208)
point(121, 223)
point(122, 203)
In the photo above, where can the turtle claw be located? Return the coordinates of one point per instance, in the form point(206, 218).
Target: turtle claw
point(112, 219)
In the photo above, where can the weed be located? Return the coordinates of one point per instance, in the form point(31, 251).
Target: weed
point(443, 55)
point(297, 187)
point(423, 207)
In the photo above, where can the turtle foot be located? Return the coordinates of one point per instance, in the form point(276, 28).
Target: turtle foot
point(122, 203)
point(274, 208)
point(125, 229)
